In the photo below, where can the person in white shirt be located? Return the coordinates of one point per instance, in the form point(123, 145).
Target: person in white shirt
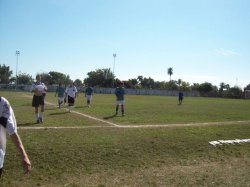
point(71, 94)
point(8, 125)
point(39, 89)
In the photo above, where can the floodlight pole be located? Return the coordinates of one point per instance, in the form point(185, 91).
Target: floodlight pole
point(17, 54)
point(114, 55)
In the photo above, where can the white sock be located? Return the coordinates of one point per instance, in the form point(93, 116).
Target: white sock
point(41, 115)
point(37, 116)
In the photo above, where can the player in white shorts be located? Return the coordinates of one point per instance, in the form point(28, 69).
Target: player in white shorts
point(71, 94)
point(39, 89)
point(8, 125)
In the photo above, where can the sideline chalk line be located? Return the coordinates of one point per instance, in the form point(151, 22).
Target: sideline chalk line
point(113, 125)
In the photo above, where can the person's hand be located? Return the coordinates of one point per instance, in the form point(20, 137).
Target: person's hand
point(26, 165)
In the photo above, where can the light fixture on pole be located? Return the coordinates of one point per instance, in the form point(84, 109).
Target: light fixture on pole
point(114, 55)
point(17, 54)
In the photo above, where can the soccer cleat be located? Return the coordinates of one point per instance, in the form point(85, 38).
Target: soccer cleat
point(38, 121)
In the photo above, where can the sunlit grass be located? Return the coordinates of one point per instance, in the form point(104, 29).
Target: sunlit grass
point(111, 156)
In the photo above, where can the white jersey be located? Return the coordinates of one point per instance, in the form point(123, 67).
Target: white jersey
point(71, 91)
point(40, 86)
point(8, 125)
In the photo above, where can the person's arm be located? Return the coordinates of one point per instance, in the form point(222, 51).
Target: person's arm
point(25, 159)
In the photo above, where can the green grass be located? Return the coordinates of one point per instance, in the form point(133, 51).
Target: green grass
point(176, 156)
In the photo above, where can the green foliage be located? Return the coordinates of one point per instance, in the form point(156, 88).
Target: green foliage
point(24, 78)
point(170, 72)
point(100, 77)
point(5, 74)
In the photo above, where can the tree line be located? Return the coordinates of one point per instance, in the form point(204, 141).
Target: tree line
point(106, 79)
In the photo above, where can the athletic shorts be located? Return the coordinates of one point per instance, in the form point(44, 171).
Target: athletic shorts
point(60, 100)
point(119, 102)
point(88, 97)
point(71, 101)
point(38, 100)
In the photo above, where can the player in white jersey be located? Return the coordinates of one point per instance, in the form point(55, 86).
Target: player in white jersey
point(71, 94)
point(8, 125)
point(39, 90)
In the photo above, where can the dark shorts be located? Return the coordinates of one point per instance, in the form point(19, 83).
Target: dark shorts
point(71, 101)
point(38, 100)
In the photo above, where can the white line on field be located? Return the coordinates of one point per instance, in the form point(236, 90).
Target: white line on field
point(142, 126)
point(85, 115)
point(133, 126)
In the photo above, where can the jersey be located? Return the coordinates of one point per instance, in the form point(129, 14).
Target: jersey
point(119, 92)
point(89, 91)
point(71, 91)
point(7, 125)
point(39, 85)
point(60, 91)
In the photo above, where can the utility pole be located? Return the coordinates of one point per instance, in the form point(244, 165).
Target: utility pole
point(114, 55)
point(17, 55)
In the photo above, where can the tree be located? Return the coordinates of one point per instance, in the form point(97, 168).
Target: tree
point(24, 78)
point(5, 74)
point(100, 77)
point(78, 82)
point(170, 72)
point(205, 87)
point(172, 85)
point(247, 87)
point(57, 77)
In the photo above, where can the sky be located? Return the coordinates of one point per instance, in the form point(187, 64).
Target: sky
point(202, 40)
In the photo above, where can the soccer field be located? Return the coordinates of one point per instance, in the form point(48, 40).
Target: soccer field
point(156, 143)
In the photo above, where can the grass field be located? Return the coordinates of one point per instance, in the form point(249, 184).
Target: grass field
point(120, 151)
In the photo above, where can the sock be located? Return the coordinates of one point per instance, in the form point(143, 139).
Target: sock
point(41, 115)
point(37, 116)
point(122, 109)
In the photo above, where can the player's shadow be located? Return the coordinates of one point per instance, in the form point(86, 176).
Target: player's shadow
point(78, 107)
point(58, 113)
point(110, 117)
point(26, 124)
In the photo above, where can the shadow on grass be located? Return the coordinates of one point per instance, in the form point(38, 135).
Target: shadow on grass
point(58, 113)
point(79, 107)
point(26, 124)
point(110, 117)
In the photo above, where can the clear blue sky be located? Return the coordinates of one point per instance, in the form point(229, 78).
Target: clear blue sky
point(202, 40)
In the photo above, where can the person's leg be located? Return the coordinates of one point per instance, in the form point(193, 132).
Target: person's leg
point(37, 115)
point(1, 158)
point(122, 106)
point(116, 109)
point(1, 171)
point(41, 114)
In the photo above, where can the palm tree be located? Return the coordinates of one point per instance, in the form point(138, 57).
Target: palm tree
point(170, 72)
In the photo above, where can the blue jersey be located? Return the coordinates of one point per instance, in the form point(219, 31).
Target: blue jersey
point(60, 91)
point(119, 92)
point(89, 91)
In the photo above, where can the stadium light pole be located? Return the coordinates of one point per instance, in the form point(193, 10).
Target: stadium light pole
point(17, 54)
point(114, 55)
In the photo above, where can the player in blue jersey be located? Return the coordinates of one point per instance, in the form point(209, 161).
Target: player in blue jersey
point(60, 91)
point(88, 95)
point(120, 92)
point(180, 97)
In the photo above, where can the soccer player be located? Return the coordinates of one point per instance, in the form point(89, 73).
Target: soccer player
point(39, 89)
point(71, 94)
point(88, 95)
point(60, 93)
point(181, 97)
point(119, 92)
point(8, 125)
